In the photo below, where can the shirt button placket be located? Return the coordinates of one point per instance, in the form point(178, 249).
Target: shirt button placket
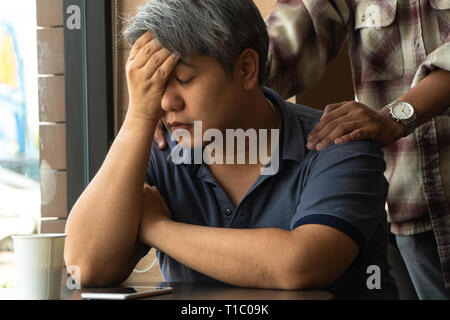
point(417, 43)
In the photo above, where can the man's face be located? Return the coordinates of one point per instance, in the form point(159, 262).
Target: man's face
point(200, 90)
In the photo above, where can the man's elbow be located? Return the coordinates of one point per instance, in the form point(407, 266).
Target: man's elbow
point(82, 270)
point(304, 279)
point(83, 274)
point(88, 274)
point(294, 281)
point(89, 279)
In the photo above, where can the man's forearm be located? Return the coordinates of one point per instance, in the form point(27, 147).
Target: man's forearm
point(104, 223)
point(430, 97)
point(242, 257)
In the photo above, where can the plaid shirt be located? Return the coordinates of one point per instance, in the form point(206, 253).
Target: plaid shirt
point(392, 45)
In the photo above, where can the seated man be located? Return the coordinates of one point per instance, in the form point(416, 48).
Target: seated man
point(295, 219)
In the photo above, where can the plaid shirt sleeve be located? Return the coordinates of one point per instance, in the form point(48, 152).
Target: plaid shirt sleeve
point(438, 59)
point(304, 37)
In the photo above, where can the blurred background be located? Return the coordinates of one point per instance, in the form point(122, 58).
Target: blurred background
point(19, 130)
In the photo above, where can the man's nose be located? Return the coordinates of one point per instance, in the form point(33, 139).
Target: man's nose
point(171, 100)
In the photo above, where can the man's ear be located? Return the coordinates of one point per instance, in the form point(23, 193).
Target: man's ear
point(248, 68)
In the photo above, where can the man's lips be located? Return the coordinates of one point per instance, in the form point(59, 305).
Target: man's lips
point(179, 125)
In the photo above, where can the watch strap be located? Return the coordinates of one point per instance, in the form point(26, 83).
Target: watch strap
point(410, 124)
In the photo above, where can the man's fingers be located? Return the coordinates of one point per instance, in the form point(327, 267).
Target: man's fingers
point(341, 130)
point(319, 135)
point(358, 134)
point(333, 106)
point(159, 135)
point(146, 53)
point(326, 126)
point(149, 190)
point(345, 132)
point(163, 72)
point(155, 62)
point(332, 130)
point(145, 38)
point(335, 111)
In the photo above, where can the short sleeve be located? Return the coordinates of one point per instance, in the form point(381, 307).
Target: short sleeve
point(438, 59)
point(345, 189)
point(150, 176)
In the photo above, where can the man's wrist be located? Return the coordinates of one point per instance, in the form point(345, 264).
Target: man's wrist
point(139, 130)
point(142, 117)
point(137, 120)
point(397, 129)
point(153, 233)
point(144, 113)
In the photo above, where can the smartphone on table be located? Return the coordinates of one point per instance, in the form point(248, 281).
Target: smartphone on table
point(124, 293)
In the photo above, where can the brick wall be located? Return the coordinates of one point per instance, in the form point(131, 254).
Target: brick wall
point(52, 115)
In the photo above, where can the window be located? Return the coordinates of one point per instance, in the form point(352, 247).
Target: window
point(19, 130)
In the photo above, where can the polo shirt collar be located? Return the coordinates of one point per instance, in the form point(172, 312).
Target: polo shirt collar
point(293, 141)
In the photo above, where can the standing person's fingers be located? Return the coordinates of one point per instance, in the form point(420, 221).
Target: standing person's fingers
point(325, 125)
point(355, 135)
point(159, 135)
point(333, 106)
point(344, 129)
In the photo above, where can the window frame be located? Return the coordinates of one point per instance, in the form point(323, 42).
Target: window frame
point(88, 59)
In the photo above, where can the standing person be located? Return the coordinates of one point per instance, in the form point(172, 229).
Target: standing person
point(400, 56)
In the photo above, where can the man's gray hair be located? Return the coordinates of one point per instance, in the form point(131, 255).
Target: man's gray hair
point(220, 29)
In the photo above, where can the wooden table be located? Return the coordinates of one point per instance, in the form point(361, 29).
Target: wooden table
point(193, 291)
point(205, 291)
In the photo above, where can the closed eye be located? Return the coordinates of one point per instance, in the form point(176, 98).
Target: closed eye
point(184, 81)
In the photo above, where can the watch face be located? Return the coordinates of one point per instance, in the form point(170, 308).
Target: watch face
point(402, 110)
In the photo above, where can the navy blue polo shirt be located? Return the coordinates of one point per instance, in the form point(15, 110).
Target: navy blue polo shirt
point(342, 187)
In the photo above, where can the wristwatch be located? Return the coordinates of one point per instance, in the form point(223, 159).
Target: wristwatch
point(403, 112)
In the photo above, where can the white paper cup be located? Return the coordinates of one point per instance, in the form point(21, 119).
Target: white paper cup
point(39, 261)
